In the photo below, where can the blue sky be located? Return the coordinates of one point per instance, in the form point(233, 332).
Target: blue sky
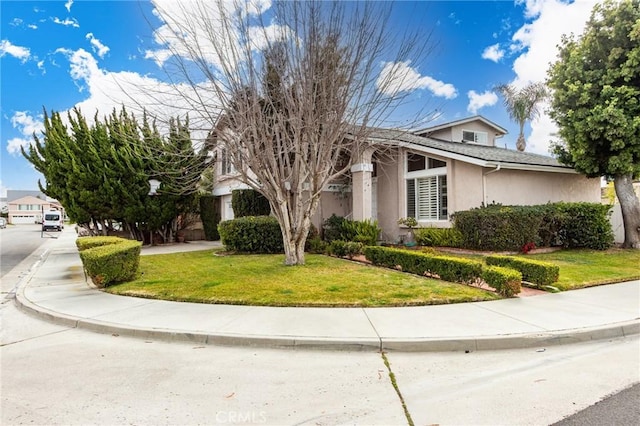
point(61, 54)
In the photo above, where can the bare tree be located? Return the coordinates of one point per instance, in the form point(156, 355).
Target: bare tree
point(294, 94)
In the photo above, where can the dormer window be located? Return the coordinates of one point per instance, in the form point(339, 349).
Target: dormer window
point(474, 137)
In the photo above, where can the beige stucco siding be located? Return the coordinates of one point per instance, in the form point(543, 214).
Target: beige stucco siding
point(390, 197)
point(515, 187)
point(464, 185)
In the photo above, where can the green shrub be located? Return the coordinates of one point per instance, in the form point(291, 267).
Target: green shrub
point(341, 248)
point(438, 237)
point(210, 216)
point(534, 271)
point(316, 245)
point(572, 225)
point(84, 243)
point(447, 268)
point(111, 263)
point(585, 225)
point(365, 232)
point(332, 228)
point(249, 202)
point(498, 227)
point(252, 234)
point(506, 281)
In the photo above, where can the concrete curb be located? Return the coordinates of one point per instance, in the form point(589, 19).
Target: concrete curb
point(467, 344)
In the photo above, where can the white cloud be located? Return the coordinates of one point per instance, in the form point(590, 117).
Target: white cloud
point(108, 90)
point(68, 22)
point(33, 26)
point(537, 41)
point(27, 125)
point(199, 24)
point(97, 46)
point(493, 53)
point(68, 5)
point(16, 22)
point(22, 53)
point(480, 100)
point(400, 77)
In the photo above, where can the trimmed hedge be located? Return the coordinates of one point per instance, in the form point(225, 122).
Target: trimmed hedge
point(340, 228)
point(345, 248)
point(447, 268)
point(109, 260)
point(498, 227)
point(210, 216)
point(571, 225)
point(438, 237)
point(249, 202)
point(534, 271)
point(84, 243)
point(252, 234)
point(506, 281)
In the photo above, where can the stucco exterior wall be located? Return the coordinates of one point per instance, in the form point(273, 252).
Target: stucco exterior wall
point(390, 197)
point(465, 186)
point(516, 187)
point(331, 203)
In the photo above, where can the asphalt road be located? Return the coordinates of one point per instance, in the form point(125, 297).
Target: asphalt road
point(17, 242)
point(620, 409)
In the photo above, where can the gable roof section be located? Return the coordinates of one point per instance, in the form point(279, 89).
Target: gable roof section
point(499, 130)
point(29, 199)
point(480, 155)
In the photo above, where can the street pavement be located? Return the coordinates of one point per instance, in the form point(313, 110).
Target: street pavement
point(56, 290)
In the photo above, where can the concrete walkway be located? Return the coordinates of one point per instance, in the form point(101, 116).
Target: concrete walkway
point(55, 289)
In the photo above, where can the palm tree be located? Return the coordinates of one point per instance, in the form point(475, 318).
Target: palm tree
point(522, 105)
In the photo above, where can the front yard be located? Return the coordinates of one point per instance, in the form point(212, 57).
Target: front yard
point(264, 280)
point(325, 281)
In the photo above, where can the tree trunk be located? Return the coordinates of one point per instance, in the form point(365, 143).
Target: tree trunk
point(521, 144)
point(630, 206)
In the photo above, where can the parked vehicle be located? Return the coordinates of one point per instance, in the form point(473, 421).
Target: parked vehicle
point(3, 222)
point(52, 219)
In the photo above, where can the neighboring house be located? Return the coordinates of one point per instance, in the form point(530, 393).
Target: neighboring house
point(29, 209)
point(433, 172)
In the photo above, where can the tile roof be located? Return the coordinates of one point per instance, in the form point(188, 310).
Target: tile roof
point(489, 154)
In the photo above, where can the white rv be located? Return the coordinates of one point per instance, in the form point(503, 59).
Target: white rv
point(52, 219)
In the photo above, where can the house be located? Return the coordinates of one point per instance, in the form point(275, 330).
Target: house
point(29, 209)
point(433, 172)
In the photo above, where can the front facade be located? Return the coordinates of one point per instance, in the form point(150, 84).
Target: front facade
point(431, 173)
point(29, 210)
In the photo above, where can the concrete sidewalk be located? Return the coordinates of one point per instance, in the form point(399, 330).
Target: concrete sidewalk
point(56, 290)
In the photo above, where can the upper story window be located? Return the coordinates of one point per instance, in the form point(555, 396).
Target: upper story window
point(30, 207)
point(475, 137)
point(227, 163)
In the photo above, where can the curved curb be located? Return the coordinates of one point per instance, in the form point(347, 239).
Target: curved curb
point(467, 344)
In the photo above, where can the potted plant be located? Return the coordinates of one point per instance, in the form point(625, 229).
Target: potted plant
point(409, 222)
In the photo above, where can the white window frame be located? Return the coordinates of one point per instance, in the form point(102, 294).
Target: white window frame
point(427, 177)
point(227, 167)
point(481, 138)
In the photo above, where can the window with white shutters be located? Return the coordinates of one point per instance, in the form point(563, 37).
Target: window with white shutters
point(426, 188)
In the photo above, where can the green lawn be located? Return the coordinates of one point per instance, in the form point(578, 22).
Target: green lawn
point(264, 280)
point(586, 268)
point(326, 281)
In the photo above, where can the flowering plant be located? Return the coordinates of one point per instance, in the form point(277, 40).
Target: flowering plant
point(528, 247)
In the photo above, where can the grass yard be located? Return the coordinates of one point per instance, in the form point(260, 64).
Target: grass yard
point(586, 268)
point(264, 280)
